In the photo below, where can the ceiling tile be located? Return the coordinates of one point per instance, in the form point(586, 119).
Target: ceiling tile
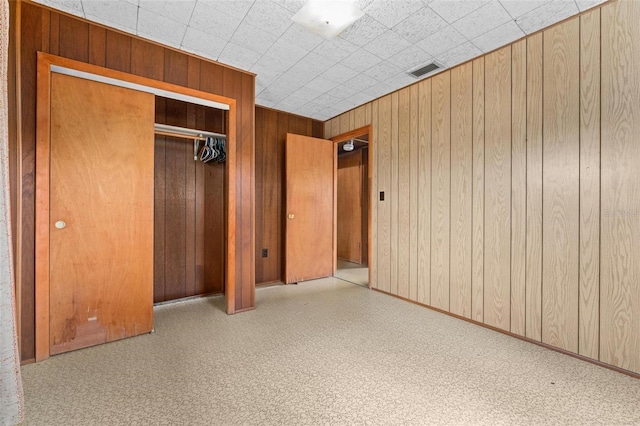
point(73, 7)
point(344, 105)
point(307, 93)
point(292, 5)
point(443, 40)
point(382, 71)
point(342, 91)
point(335, 49)
point(270, 17)
point(363, 31)
point(378, 90)
point(546, 15)
point(202, 44)
point(213, 21)
point(302, 37)
point(238, 56)
point(312, 64)
point(156, 27)
point(253, 38)
point(265, 103)
point(291, 103)
point(420, 25)
point(390, 13)
point(179, 11)
point(268, 69)
point(361, 82)
point(285, 52)
point(387, 45)
point(237, 8)
point(517, 8)
point(360, 98)
point(482, 20)
point(587, 4)
point(321, 84)
point(115, 13)
point(339, 73)
point(294, 78)
point(327, 99)
point(361, 60)
point(452, 10)
point(459, 54)
point(498, 37)
point(410, 58)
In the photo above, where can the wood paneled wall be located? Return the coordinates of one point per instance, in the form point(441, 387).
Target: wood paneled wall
point(271, 130)
point(189, 223)
point(527, 179)
point(42, 29)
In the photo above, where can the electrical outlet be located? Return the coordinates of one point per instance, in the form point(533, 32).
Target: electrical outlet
point(265, 252)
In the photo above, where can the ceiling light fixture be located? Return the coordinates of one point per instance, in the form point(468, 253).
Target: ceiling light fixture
point(348, 146)
point(328, 17)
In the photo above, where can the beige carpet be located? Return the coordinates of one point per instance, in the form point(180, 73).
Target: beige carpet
point(322, 352)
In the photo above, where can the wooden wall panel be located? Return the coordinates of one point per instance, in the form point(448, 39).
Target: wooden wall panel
point(461, 188)
point(440, 189)
point(424, 192)
point(588, 309)
point(497, 260)
point(394, 195)
point(404, 198)
point(413, 192)
point(620, 208)
point(373, 202)
point(271, 129)
point(518, 186)
point(561, 186)
point(477, 238)
point(527, 121)
point(384, 186)
point(51, 32)
point(533, 317)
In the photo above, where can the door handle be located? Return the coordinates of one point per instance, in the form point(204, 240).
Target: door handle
point(291, 216)
point(60, 224)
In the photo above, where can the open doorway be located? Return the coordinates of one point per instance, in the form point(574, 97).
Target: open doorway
point(352, 209)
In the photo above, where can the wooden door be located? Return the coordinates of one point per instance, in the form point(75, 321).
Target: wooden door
point(101, 213)
point(309, 168)
point(349, 220)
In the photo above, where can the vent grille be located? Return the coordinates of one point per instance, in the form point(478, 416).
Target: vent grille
point(425, 70)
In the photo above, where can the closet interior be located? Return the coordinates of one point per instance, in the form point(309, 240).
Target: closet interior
point(189, 200)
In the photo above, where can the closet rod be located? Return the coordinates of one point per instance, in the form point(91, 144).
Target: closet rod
point(183, 132)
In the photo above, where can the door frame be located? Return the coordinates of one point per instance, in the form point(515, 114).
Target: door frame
point(42, 186)
point(368, 130)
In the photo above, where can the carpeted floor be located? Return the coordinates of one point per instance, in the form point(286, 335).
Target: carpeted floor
point(322, 352)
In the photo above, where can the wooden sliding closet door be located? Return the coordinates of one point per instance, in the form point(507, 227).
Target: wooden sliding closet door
point(101, 213)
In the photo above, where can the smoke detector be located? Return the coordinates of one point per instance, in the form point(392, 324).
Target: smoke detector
point(348, 146)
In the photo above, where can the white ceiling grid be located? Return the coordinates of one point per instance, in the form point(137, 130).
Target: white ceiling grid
point(301, 72)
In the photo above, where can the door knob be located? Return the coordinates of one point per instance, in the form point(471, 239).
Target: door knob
point(291, 216)
point(60, 224)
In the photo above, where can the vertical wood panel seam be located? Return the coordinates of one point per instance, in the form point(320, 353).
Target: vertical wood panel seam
point(600, 195)
point(511, 190)
point(579, 176)
point(542, 189)
point(450, 213)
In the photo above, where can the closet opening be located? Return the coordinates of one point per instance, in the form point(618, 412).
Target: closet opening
point(352, 210)
point(189, 200)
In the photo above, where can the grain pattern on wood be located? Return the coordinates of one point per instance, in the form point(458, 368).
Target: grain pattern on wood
point(477, 248)
point(101, 276)
point(440, 189)
point(413, 195)
point(561, 186)
point(384, 186)
point(97, 45)
point(404, 185)
point(461, 188)
point(349, 220)
point(424, 192)
point(145, 58)
point(497, 225)
point(533, 320)
point(373, 200)
point(118, 51)
point(620, 269)
point(74, 38)
point(309, 209)
point(589, 305)
point(394, 195)
point(518, 186)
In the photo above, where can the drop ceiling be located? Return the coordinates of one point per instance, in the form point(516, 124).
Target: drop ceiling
point(301, 72)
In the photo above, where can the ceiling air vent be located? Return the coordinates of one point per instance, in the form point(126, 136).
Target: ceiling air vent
point(422, 71)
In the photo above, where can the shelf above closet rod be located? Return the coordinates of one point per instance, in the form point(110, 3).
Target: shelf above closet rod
point(183, 132)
